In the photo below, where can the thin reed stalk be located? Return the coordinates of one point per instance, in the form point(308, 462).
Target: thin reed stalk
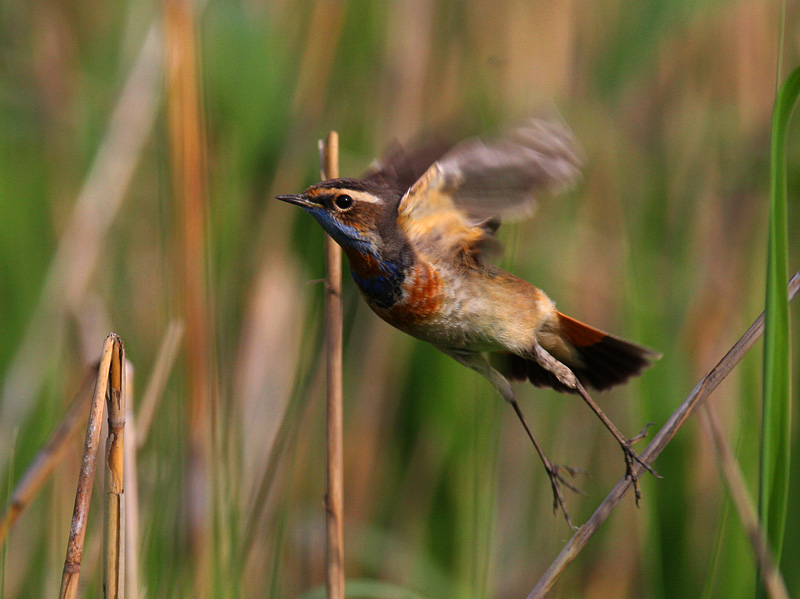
point(283, 442)
point(334, 498)
point(80, 246)
point(49, 456)
point(114, 563)
point(678, 418)
point(188, 161)
point(83, 495)
point(732, 475)
point(154, 391)
point(131, 487)
point(3, 546)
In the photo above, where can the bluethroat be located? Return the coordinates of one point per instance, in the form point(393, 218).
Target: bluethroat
point(417, 229)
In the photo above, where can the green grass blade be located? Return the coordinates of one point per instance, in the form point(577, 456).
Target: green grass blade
point(776, 415)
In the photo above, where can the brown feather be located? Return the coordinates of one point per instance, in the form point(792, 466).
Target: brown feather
point(477, 183)
point(400, 166)
point(579, 334)
point(503, 177)
point(599, 360)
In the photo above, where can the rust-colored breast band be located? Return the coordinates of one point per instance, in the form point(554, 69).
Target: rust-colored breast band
point(422, 298)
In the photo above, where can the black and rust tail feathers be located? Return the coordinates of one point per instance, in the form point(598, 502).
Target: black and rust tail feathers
point(599, 360)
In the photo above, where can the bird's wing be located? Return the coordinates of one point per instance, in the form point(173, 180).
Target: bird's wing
point(401, 166)
point(462, 196)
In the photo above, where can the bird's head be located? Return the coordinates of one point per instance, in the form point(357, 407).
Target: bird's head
point(358, 215)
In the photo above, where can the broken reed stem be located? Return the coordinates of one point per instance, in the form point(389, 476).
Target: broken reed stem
point(732, 475)
point(83, 495)
point(678, 418)
point(334, 498)
point(114, 566)
point(49, 456)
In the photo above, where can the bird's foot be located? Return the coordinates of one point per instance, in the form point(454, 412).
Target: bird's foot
point(556, 480)
point(632, 458)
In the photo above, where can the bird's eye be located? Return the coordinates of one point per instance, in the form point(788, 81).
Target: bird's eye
point(343, 202)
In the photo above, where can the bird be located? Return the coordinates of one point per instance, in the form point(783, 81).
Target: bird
point(419, 231)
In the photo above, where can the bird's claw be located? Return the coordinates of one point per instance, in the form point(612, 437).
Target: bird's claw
point(632, 458)
point(556, 480)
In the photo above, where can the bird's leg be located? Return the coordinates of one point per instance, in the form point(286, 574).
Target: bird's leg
point(479, 364)
point(568, 378)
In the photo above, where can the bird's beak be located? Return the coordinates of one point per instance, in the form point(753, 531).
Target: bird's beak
point(299, 199)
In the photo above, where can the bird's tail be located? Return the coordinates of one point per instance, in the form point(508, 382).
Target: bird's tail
point(598, 359)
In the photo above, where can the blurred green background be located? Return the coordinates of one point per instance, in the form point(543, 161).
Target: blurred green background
point(140, 147)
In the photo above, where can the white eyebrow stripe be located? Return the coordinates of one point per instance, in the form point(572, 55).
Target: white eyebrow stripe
point(364, 197)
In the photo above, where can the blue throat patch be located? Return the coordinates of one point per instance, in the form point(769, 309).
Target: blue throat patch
point(342, 234)
point(383, 290)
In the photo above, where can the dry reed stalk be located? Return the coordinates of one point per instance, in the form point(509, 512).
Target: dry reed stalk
point(50, 456)
point(334, 498)
point(131, 487)
point(80, 246)
point(283, 442)
point(316, 65)
point(154, 391)
point(83, 496)
point(114, 521)
point(732, 475)
point(188, 162)
point(678, 418)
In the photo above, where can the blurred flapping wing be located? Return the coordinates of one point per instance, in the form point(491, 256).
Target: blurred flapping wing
point(463, 195)
point(401, 166)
